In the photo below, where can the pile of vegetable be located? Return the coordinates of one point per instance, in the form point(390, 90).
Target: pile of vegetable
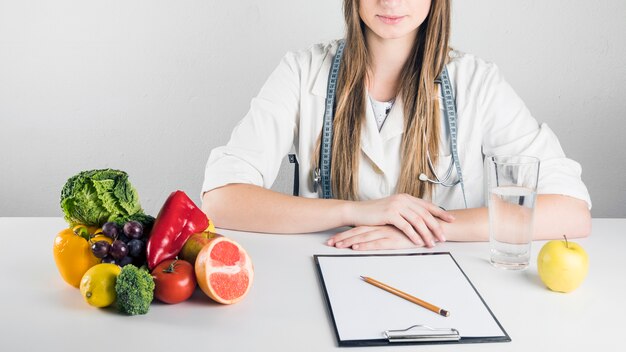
point(102, 208)
point(119, 256)
point(107, 226)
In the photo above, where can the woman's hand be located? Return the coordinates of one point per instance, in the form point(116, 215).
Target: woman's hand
point(414, 217)
point(365, 238)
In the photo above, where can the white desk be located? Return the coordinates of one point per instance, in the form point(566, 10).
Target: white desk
point(285, 310)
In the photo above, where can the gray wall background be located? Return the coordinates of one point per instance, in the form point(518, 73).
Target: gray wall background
point(151, 86)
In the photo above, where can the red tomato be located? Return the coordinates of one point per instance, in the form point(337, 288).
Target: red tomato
point(174, 281)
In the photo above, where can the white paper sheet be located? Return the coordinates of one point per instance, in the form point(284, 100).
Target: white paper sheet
point(363, 311)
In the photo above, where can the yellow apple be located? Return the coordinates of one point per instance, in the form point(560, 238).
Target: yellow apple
point(562, 265)
point(195, 243)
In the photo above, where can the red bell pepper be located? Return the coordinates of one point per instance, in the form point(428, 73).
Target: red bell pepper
point(178, 219)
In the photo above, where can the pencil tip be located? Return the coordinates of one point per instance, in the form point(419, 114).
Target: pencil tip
point(362, 277)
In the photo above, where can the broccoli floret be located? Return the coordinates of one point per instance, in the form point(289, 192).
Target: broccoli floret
point(135, 289)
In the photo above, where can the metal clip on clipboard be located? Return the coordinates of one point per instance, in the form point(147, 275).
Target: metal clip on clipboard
point(422, 333)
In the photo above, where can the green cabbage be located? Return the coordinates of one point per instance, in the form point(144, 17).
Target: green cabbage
point(96, 196)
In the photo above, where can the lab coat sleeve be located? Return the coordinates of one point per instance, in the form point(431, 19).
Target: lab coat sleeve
point(263, 137)
point(509, 129)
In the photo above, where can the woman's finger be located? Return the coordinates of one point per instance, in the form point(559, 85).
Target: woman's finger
point(435, 210)
point(431, 222)
point(355, 240)
point(417, 222)
point(402, 242)
point(442, 214)
point(346, 234)
point(403, 225)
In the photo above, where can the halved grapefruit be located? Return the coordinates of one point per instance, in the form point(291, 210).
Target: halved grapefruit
point(224, 270)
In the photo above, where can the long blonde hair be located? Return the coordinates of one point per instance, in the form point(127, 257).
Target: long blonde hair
point(419, 95)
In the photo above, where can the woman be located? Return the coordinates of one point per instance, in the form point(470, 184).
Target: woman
point(388, 123)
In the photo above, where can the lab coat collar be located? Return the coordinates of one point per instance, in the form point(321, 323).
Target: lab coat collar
point(373, 142)
point(320, 83)
point(394, 123)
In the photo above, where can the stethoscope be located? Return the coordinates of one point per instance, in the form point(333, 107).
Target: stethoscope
point(445, 181)
point(321, 174)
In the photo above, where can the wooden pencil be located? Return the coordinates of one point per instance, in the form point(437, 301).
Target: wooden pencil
point(406, 296)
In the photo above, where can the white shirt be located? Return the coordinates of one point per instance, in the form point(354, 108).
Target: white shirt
point(381, 110)
point(288, 112)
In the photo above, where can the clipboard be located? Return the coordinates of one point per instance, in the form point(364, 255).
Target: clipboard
point(364, 315)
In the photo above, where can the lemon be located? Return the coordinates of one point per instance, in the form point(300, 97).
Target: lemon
point(98, 284)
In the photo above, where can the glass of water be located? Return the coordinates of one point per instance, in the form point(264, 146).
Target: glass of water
point(512, 190)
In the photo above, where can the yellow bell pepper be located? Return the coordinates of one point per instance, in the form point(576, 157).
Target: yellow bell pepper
point(72, 253)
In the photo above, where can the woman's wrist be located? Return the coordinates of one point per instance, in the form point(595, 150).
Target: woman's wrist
point(345, 209)
point(469, 225)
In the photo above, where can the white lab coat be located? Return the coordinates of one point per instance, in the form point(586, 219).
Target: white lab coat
point(288, 112)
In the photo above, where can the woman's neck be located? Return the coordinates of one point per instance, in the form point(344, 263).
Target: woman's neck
point(387, 58)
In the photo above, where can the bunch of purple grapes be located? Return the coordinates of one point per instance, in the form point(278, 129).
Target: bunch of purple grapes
point(129, 244)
